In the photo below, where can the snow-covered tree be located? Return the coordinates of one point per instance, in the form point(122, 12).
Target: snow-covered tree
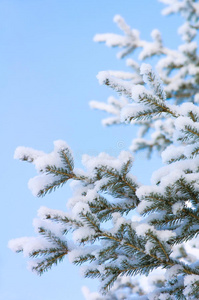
point(140, 241)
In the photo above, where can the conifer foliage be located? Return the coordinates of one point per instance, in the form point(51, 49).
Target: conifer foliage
point(123, 231)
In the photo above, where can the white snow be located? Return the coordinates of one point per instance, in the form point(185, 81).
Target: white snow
point(111, 39)
point(178, 206)
point(172, 152)
point(83, 233)
point(27, 153)
point(104, 159)
point(119, 85)
point(55, 228)
point(28, 245)
point(131, 111)
point(188, 47)
point(122, 25)
point(41, 160)
point(145, 69)
point(196, 98)
point(45, 211)
point(90, 295)
point(52, 158)
point(103, 106)
point(40, 182)
point(143, 228)
point(156, 35)
point(189, 282)
point(139, 91)
point(173, 272)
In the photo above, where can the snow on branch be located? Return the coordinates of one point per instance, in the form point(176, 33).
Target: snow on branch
point(116, 228)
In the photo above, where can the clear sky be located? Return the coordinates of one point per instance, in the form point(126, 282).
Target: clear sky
point(48, 68)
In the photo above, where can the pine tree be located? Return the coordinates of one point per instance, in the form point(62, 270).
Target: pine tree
point(110, 240)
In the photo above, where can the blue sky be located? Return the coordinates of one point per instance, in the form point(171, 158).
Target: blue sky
point(49, 64)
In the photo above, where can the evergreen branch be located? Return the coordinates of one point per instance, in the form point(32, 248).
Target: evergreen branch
point(137, 249)
point(155, 85)
point(162, 200)
point(52, 238)
point(116, 175)
point(142, 115)
point(92, 273)
point(109, 282)
point(84, 258)
point(181, 157)
point(194, 117)
point(67, 157)
point(45, 252)
point(108, 251)
point(153, 237)
point(195, 152)
point(59, 171)
point(184, 237)
point(139, 269)
point(168, 222)
point(65, 220)
point(172, 205)
point(104, 210)
point(49, 188)
point(91, 221)
point(116, 189)
point(159, 105)
point(165, 263)
point(187, 189)
point(114, 272)
point(126, 167)
point(118, 86)
point(189, 132)
point(46, 264)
